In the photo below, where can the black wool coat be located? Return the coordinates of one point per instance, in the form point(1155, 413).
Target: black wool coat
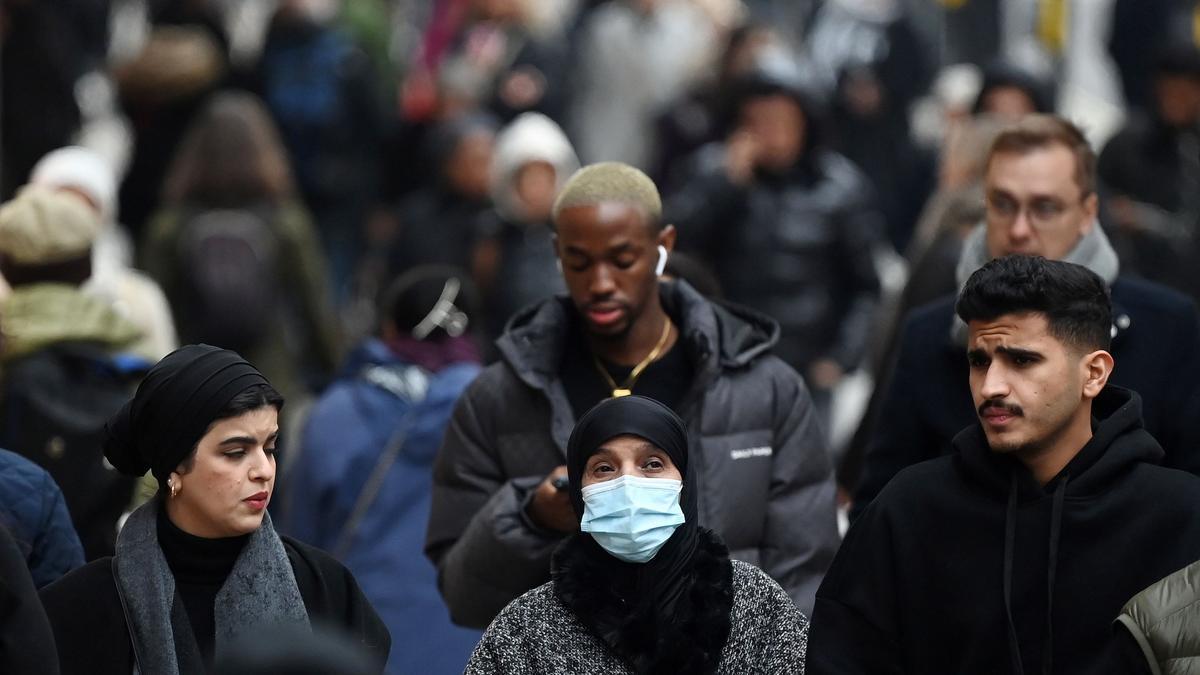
point(89, 622)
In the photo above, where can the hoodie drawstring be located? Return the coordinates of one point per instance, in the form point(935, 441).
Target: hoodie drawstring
point(1060, 494)
point(1010, 535)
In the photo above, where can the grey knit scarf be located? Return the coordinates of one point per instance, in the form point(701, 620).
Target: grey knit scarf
point(260, 592)
point(1093, 251)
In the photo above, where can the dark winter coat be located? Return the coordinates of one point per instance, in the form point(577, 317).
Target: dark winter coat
point(923, 579)
point(34, 512)
point(796, 246)
point(26, 642)
point(765, 483)
point(928, 399)
point(87, 616)
point(736, 606)
point(348, 429)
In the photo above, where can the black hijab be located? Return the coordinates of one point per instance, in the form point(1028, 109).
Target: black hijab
point(173, 407)
point(659, 586)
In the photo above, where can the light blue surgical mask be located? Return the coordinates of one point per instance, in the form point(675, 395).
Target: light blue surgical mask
point(632, 517)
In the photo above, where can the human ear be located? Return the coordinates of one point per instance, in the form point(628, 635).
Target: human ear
point(666, 238)
point(1097, 367)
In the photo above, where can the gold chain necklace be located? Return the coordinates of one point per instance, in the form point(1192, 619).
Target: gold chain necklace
point(627, 387)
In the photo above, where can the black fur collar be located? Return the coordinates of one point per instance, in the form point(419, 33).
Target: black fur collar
point(690, 641)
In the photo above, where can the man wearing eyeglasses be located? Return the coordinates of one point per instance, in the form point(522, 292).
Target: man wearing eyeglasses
point(1040, 192)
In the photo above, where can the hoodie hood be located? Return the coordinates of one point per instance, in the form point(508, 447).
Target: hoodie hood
point(716, 335)
point(531, 137)
point(39, 315)
point(1118, 442)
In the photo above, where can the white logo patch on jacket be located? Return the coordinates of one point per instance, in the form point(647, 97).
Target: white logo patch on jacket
point(762, 451)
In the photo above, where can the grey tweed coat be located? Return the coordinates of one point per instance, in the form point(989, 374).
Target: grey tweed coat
point(538, 635)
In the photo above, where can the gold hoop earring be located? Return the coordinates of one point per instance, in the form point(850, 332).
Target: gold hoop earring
point(174, 488)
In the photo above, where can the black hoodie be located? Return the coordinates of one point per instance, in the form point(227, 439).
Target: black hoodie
point(957, 565)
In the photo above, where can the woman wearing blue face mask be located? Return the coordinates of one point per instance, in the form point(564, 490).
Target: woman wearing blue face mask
point(642, 588)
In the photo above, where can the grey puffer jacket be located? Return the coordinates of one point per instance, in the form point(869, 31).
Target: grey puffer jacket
point(538, 634)
point(1164, 621)
point(765, 479)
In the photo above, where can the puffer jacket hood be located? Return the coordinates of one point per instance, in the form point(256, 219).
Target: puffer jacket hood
point(1162, 620)
point(39, 315)
point(716, 335)
point(532, 137)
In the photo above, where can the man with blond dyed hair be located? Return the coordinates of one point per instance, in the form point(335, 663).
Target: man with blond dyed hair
point(765, 481)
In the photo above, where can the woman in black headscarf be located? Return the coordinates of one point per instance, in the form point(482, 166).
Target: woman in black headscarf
point(200, 564)
point(641, 588)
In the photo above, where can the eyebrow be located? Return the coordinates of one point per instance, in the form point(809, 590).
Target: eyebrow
point(247, 440)
point(1018, 352)
point(641, 447)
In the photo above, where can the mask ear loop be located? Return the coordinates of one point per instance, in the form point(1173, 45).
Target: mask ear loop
point(662, 261)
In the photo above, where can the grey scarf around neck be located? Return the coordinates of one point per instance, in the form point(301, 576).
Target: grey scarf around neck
point(260, 592)
point(1093, 251)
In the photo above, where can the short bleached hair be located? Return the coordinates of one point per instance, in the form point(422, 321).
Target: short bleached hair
point(611, 182)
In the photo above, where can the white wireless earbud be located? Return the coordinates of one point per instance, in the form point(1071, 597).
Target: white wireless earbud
point(662, 260)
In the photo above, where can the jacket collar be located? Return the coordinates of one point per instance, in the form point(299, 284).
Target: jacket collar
point(716, 335)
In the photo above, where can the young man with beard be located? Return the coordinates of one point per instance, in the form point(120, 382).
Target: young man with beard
point(1015, 553)
point(765, 480)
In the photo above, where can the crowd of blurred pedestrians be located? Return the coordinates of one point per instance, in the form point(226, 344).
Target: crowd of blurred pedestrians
point(380, 204)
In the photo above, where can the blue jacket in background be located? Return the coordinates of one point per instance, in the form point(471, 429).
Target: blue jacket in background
point(33, 511)
point(347, 431)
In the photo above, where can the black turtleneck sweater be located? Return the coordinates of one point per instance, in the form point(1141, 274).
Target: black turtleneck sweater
point(200, 567)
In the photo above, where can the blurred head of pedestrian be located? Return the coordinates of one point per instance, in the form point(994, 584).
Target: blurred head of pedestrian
point(613, 246)
point(1040, 188)
point(501, 11)
point(426, 316)
point(462, 147)
point(1010, 92)
point(1177, 87)
point(46, 236)
point(533, 160)
point(82, 172)
point(231, 157)
point(777, 117)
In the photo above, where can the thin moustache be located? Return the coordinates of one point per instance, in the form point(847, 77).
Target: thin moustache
point(1010, 409)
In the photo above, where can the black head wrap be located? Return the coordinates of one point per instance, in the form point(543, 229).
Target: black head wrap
point(173, 407)
point(628, 416)
point(656, 586)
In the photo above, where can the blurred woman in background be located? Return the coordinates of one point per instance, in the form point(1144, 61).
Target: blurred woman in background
point(237, 253)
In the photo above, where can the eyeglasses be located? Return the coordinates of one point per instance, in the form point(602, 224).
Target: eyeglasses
point(1041, 212)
